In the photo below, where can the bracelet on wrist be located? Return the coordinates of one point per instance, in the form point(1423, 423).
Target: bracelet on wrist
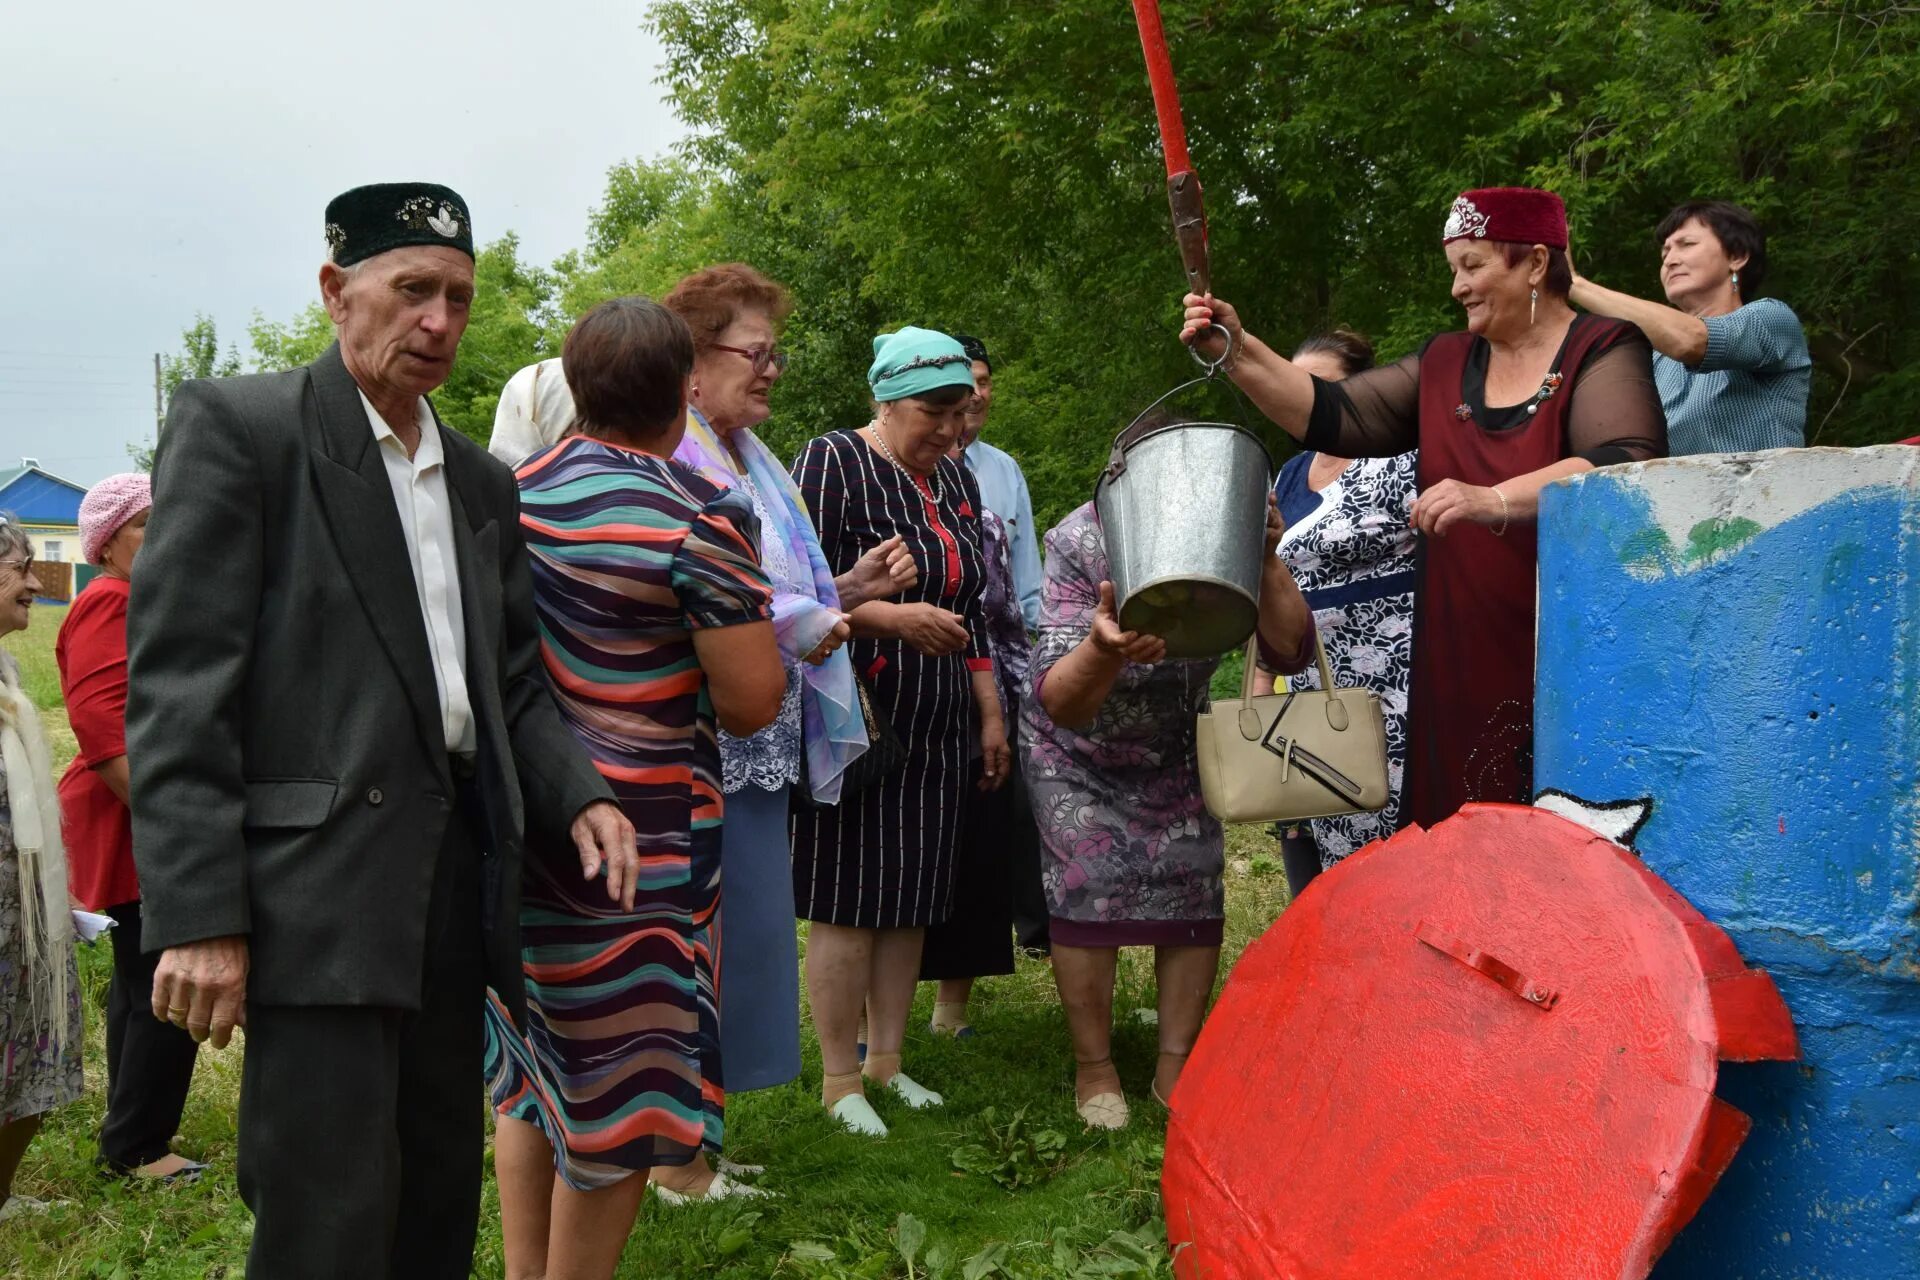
point(1506, 513)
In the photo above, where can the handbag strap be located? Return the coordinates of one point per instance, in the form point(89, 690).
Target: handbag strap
point(1253, 657)
point(1336, 710)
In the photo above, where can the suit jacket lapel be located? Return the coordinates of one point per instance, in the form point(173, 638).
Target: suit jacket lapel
point(477, 556)
point(477, 553)
point(354, 490)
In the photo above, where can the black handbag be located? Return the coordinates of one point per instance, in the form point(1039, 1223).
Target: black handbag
point(884, 754)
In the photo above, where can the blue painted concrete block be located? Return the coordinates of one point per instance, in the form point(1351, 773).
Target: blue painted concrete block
point(1738, 638)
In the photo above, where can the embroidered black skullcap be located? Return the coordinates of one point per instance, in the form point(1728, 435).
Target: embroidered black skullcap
point(392, 215)
point(976, 350)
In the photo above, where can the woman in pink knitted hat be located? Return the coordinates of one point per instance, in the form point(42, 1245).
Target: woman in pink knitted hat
point(149, 1062)
point(1526, 393)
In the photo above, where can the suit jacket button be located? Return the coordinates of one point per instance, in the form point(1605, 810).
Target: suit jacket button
point(375, 795)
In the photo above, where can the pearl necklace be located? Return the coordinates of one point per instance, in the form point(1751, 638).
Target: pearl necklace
point(933, 482)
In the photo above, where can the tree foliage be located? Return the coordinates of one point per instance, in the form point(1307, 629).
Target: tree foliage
point(993, 166)
point(199, 357)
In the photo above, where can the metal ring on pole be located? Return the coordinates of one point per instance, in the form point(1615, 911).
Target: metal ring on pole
point(1212, 366)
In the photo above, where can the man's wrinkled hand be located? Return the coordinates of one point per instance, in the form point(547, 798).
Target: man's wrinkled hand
point(606, 842)
point(202, 987)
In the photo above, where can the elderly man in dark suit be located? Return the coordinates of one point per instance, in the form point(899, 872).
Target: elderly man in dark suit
point(338, 733)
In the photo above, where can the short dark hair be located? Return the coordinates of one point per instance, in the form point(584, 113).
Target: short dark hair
point(939, 397)
point(1351, 349)
point(627, 363)
point(1737, 230)
point(1559, 277)
point(944, 397)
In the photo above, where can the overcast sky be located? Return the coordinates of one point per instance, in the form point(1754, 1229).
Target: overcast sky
point(158, 160)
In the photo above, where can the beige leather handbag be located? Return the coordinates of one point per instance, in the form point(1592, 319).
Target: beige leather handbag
point(1284, 757)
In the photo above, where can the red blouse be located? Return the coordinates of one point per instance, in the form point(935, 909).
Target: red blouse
point(92, 653)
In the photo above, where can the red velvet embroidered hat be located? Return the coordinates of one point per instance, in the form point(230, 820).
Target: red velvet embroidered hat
point(1517, 215)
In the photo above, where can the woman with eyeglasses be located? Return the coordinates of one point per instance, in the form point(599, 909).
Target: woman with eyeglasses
point(735, 314)
point(39, 984)
point(872, 872)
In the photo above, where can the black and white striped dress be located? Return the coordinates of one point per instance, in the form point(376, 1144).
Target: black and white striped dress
point(884, 857)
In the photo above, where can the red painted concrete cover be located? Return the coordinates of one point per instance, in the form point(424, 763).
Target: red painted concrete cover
point(1484, 1050)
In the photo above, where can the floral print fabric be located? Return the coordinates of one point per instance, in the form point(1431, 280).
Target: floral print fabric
point(1125, 833)
point(1007, 637)
point(33, 1077)
point(1351, 549)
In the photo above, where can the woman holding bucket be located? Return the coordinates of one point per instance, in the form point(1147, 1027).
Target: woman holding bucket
point(1132, 858)
point(1528, 394)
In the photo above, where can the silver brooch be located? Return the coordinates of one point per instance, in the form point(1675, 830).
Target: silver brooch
point(1464, 219)
point(336, 237)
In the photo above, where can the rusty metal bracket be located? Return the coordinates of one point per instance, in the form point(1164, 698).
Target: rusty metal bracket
point(1535, 994)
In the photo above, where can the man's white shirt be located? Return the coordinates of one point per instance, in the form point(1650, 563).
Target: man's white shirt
point(426, 518)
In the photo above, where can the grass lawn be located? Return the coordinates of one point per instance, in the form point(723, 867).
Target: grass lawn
point(1054, 1202)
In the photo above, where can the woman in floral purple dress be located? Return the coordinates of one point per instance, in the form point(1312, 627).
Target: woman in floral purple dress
point(1131, 857)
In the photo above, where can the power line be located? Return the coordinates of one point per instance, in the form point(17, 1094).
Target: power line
point(20, 352)
point(6, 380)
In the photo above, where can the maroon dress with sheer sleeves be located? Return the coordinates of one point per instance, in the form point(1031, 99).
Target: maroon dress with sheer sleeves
point(1470, 732)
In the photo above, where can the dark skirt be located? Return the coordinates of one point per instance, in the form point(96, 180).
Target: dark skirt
point(977, 939)
point(759, 960)
point(883, 858)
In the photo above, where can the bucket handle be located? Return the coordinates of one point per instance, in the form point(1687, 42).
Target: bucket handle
point(1117, 458)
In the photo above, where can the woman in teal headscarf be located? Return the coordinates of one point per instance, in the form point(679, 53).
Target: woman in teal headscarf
point(874, 871)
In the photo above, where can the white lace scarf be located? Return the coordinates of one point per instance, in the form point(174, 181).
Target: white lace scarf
point(46, 919)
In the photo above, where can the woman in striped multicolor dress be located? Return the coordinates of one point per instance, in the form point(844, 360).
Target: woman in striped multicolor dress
point(654, 623)
point(874, 871)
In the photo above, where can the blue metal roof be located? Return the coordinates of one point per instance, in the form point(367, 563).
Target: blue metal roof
point(34, 496)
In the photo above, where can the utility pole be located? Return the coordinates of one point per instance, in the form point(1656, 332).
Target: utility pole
point(159, 414)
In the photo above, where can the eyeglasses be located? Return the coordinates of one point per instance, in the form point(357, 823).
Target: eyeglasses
point(23, 566)
point(763, 358)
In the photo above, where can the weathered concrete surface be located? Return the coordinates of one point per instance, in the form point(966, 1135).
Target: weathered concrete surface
point(1739, 639)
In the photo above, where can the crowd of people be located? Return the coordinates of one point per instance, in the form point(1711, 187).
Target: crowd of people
point(524, 774)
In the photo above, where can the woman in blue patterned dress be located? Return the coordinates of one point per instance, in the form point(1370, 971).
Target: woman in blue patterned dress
point(654, 624)
point(1351, 549)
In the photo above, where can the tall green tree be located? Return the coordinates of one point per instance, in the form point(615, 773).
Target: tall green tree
point(199, 356)
point(993, 166)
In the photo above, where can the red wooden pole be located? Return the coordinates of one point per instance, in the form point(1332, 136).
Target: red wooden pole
point(1166, 97)
point(1183, 184)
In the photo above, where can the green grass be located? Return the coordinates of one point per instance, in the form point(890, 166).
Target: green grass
point(840, 1197)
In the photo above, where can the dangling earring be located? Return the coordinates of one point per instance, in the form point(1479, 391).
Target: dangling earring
point(1533, 307)
point(1736, 282)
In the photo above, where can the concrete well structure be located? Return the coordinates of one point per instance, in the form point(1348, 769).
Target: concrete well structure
point(1737, 637)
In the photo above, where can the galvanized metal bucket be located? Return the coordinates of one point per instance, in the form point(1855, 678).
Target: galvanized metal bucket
point(1183, 508)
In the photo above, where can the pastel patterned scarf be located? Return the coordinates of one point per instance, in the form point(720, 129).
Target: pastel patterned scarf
point(46, 915)
point(805, 606)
